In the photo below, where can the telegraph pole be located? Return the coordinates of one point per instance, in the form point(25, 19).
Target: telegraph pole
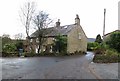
point(104, 23)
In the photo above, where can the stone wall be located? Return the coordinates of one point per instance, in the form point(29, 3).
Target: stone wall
point(77, 40)
point(48, 41)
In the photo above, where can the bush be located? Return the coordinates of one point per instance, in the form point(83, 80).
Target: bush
point(4, 54)
point(92, 46)
point(106, 58)
point(28, 54)
point(19, 45)
point(98, 39)
point(101, 48)
point(99, 51)
point(114, 41)
point(111, 52)
point(60, 44)
point(9, 48)
point(110, 56)
point(53, 54)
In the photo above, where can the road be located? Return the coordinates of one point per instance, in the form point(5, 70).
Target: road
point(68, 67)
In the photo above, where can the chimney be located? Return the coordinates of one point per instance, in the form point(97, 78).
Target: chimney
point(77, 20)
point(58, 23)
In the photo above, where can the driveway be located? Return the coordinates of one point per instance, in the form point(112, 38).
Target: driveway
point(69, 67)
point(14, 68)
point(105, 70)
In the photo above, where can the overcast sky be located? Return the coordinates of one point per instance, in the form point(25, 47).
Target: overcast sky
point(91, 13)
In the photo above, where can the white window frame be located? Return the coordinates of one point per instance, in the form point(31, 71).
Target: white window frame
point(53, 39)
point(79, 36)
point(37, 40)
point(31, 40)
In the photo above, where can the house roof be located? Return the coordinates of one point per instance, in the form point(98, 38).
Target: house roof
point(54, 31)
point(112, 32)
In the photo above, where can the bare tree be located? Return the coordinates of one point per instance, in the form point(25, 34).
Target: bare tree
point(41, 20)
point(6, 39)
point(19, 36)
point(5, 36)
point(26, 16)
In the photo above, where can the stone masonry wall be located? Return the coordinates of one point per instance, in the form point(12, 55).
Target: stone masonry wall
point(77, 40)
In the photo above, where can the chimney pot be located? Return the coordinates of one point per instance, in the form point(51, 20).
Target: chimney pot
point(58, 23)
point(77, 20)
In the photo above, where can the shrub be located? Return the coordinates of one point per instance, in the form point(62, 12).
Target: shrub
point(92, 46)
point(98, 39)
point(101, 48)
point(9, 48)
point(60, 44)
point(4, 54)
point(114, 41)
point(110, 56)
point(28, 54)
point(19, 45)
point(58, 54)
point(111, 52)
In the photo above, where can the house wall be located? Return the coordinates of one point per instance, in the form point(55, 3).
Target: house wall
point(34, 44)
point(48, 41)
point(107, 36)
point(77, 40)
point(26, 45)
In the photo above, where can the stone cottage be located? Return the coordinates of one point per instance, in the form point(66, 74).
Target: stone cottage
point(106, 36)
point(76, 37)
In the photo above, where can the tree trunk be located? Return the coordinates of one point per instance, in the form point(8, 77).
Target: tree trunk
point(39, 49)
point(30, 45)
point(40, 43)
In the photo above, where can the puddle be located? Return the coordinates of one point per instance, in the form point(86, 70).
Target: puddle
point(89, 56)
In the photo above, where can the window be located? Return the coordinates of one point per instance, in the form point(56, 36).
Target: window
point(65, 27)
point(53, 39)
point(79, 35)
point(37, 40)
point(51, 48)
point(31, 40)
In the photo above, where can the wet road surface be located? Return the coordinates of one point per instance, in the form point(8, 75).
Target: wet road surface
point(69, 67)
